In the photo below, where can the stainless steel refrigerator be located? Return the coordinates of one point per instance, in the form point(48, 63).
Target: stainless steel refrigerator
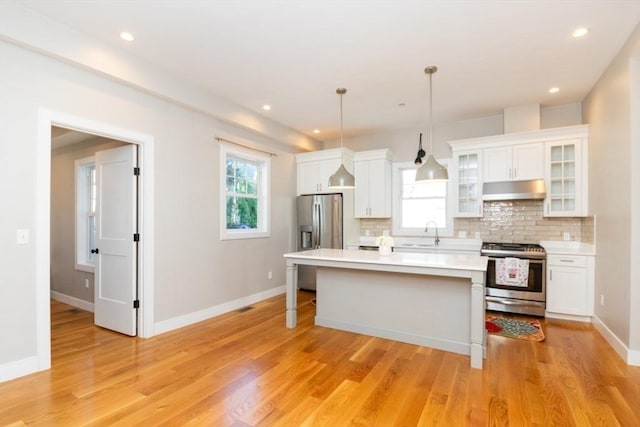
point(319, 226)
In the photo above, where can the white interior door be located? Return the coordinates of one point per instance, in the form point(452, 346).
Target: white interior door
point(116, 224)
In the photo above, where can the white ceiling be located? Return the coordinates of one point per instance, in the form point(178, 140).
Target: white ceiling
point(293, 54)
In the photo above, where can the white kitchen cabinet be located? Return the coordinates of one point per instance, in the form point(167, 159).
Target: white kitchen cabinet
point(372, 171)
point(467, 166)
point(566, 178)
point(517, 162)
point(315, 168)
point(570, 286)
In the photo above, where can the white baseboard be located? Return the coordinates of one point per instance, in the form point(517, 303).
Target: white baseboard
point(632, 357)
point(410, 338)
point(573, 317)
point(18, 368)
point(199, 316)
point(76, 302)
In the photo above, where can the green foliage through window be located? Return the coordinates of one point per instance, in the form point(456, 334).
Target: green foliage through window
point(242, 193)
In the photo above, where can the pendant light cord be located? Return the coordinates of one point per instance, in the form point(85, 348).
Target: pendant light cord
point(341, 141)
point(341, 91)
point(430, 114)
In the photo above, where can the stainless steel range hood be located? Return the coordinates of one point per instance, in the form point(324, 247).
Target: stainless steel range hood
point(514, 190)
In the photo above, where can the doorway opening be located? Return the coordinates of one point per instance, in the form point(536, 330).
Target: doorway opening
point(85, 178)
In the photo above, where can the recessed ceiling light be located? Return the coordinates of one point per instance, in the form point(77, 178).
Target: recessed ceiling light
point(126, 36)
point(579, 32)
point(266, 107)
point(316, 131)
point(554, 90)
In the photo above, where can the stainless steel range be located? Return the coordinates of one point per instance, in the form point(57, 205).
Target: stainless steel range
point(525, 292)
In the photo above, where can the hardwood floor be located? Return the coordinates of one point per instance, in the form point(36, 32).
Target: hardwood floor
point(245, 368)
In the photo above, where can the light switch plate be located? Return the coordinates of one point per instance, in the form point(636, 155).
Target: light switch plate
point(566, 236)
point(22, 236)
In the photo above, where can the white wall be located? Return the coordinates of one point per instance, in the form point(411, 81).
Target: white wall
point(194, 269)
point(607, 109)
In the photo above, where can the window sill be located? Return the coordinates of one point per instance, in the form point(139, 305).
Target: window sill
point(230, 235)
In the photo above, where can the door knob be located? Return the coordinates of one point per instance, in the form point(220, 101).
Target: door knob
point(95, 251)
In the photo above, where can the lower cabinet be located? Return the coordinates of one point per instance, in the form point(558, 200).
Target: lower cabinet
point(570, 286)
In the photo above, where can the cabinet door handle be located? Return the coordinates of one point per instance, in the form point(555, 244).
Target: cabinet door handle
point(515, 172)
point(567, 260)
point(550, 274)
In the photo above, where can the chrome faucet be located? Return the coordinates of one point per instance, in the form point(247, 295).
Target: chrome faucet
point(426, 229)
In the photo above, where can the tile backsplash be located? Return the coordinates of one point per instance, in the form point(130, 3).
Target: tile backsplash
point(520, 221)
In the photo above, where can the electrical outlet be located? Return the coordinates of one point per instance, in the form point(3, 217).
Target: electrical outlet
point(86, 283)
point(602, 299)
point(270, 275)
point(566, 236)
point(462, 234)
point(477, 235)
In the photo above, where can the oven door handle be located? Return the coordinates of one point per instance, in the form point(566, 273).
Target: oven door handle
point(531, 261)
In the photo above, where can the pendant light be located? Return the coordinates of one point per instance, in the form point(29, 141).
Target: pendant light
point(420, 154)
point(431, 170)
point(341, 178)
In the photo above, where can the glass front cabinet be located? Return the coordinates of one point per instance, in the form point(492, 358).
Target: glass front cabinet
point(468, 185)
point(566, 176)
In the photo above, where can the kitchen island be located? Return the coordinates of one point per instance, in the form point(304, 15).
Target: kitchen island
point(434, 300)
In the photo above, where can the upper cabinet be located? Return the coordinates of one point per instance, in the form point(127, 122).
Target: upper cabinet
point(372, 193)
point(566, 177)
point(467, 167)
point(514, 162)
point(558, 155)
point(315, 168)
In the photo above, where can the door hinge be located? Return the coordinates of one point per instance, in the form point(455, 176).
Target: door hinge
point(136, 237)
point(136, 171)
point(136, 304)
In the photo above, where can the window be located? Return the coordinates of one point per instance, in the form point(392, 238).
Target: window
point(417, 204)
point(244, 192)
point(85, 176)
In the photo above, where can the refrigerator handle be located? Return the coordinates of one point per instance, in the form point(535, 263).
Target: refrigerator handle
point(318, 223)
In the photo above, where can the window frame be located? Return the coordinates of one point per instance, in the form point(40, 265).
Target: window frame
point(263, 160)
point(396, 192)
point(84, 261)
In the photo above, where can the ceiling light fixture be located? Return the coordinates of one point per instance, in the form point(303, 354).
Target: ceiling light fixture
point(266, 107)
point(341, 178)
point(554, 90)
point(316, 131)
point(126, 36)
point(431, 170)
point(579, 32)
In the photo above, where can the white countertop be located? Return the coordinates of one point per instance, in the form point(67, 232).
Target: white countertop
point(425, 243)
point(440, 260)
point(554, 247)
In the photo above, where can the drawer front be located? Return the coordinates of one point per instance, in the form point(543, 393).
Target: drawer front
point(567, 260)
